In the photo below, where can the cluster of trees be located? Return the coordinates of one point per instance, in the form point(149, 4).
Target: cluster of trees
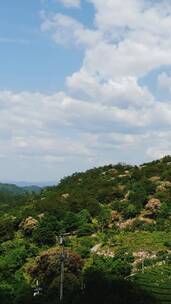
point(99, 280)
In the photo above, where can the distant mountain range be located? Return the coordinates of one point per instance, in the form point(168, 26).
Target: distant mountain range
point(39, 184)
point(21, 187)
point(16, 190)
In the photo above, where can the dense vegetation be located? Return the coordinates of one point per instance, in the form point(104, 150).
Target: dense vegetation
point(116, 221)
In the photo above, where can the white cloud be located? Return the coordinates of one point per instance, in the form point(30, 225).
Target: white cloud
point(132, 17)
point(105, 114)
point(128, 40)
point(120, 91)
point(71, 3)
point(68, 31)
point(126, 59)
point(136, 38)
point(57, 130)
point(159, 151)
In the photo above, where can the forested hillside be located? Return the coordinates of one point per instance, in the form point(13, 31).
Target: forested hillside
point(15, 190)
point(116, 221)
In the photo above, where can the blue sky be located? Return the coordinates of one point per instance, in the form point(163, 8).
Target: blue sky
point(28, 59)
point(82, 84)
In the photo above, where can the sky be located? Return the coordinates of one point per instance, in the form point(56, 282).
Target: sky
point(83, 83)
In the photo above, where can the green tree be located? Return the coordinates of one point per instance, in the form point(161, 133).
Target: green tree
point(130, 211)
point(46, 268)
point(138, 196)
point(104, 217)
point(46, 230)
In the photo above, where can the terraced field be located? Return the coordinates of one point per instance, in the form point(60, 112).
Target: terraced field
point(144, 240)
point(157, 281)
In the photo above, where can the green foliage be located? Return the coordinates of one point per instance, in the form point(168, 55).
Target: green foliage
point(47, 230)
point(118, 265)
point(7, 229)
point(86, 229)
point(84, 246)
point(13, 190)
point(130, 211)
point(104, 217)
point(83, 217)
point(46, 268)
point(138, 195)
point(93, 210)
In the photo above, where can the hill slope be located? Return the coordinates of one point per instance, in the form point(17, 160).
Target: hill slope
point(116, 220)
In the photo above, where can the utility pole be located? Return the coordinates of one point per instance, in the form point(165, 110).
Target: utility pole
point(143, 265)
point(37, 290)
point(62, 258)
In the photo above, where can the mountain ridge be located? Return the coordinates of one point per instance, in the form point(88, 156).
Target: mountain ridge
point(18, 190)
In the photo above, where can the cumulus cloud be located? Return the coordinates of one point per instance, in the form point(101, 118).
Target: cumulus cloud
point(122, 92)
point(32, 124)
point(126, 42)
point(68, 31)
point(132, 38)
point(106, 114)
point(132, 14)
